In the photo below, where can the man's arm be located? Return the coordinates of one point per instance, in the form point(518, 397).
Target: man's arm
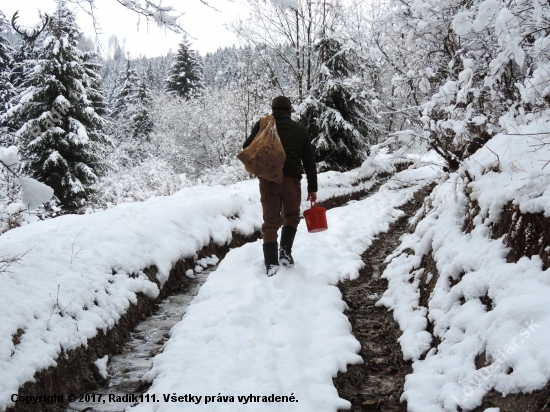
point(253, 134)
point(308, 159)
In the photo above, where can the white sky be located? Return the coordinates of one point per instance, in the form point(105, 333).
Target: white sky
point(200, 21)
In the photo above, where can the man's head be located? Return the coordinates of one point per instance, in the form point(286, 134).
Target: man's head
point(281, 103)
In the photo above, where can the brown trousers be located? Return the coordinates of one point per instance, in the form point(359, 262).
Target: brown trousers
point(278, 198)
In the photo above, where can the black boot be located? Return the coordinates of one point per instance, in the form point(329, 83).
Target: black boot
point(270, 257)
point(285, 252)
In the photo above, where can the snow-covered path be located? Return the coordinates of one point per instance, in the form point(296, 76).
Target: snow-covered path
point(246, 334)
point(78, 274)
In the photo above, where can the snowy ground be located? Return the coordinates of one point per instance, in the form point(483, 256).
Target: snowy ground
point(73, 276)
point(286, 335)
point(513, 331)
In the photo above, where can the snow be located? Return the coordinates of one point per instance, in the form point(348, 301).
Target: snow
point(94, 263)
point(88, 260)
point(101, 364)
point(462, 23)
point(34, 193)
point(286, 335)
point(8, 156)
point(285, 3)
point(512, 331)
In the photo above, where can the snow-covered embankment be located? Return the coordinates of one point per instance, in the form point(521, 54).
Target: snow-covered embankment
point(487, 311)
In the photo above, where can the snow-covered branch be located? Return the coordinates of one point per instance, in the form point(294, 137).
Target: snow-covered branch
point(154, 12)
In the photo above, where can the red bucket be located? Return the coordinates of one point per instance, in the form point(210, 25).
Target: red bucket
point(316, 218)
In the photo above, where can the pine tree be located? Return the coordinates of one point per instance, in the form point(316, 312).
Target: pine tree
point(185, 77)
point(7, 90)
point(131, 116)
point(95, 90)
point(140, 111)
point(59, 130)
point(336, 112)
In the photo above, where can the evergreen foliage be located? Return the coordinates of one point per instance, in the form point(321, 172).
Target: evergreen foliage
point(131, 115)
point(7, 90)
point(59, 130)
point(336, 113)
point(95, 90)
point(185, 79)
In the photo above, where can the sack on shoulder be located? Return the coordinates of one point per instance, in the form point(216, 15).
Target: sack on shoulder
point(265, 156)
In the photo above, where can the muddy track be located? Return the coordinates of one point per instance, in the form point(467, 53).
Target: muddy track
point(377, 384)
point(357, 195)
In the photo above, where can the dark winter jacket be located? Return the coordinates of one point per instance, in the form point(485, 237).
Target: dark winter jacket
point(297, 145)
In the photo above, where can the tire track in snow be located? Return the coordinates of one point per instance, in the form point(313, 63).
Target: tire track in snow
point(377, 384)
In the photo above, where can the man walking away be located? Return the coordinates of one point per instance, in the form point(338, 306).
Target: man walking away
point(285, 198)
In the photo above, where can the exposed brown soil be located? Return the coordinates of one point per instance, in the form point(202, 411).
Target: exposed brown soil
point(377, 384)
point(531, 402)
point(537, 401)
point(526, 234)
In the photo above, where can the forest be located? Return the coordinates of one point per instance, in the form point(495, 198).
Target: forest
point(359, 73)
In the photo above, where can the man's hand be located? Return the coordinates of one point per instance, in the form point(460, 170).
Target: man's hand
point(312, 196)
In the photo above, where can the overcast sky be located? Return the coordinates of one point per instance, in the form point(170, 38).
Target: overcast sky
point(200, 21)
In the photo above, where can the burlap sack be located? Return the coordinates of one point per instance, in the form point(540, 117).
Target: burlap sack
point(265, 156)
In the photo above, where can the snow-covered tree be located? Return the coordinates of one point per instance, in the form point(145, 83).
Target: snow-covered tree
point(289, 36)
point(7, 90)
point(123, 94)
point(95, 92)
point(185, 78)
point(454, 68)
point(131, 116)
point(59, 132)
point(336, 111)
point(140, 112)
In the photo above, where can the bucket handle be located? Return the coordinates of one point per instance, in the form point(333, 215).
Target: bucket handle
point(313, 204)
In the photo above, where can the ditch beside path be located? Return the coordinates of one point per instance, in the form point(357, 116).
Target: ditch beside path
point(377, 384)
point(126, 370)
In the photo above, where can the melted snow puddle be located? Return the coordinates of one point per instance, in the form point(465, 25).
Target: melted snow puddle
point(127, 369)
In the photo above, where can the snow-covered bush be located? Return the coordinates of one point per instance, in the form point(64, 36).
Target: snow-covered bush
point(19, 196)
point(201, 133)
point(156, 177)
point(150, 178)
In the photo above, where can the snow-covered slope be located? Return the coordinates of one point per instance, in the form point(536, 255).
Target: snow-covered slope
point(480, 304)
point(73, 277)
point(246, 334)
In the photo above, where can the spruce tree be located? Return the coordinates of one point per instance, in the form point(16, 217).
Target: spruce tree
point(336, 113)
point(95, 90)
point(7, 90)
point(131, 114)
point(185, 78)
point(59, 130)
point(140, 110)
